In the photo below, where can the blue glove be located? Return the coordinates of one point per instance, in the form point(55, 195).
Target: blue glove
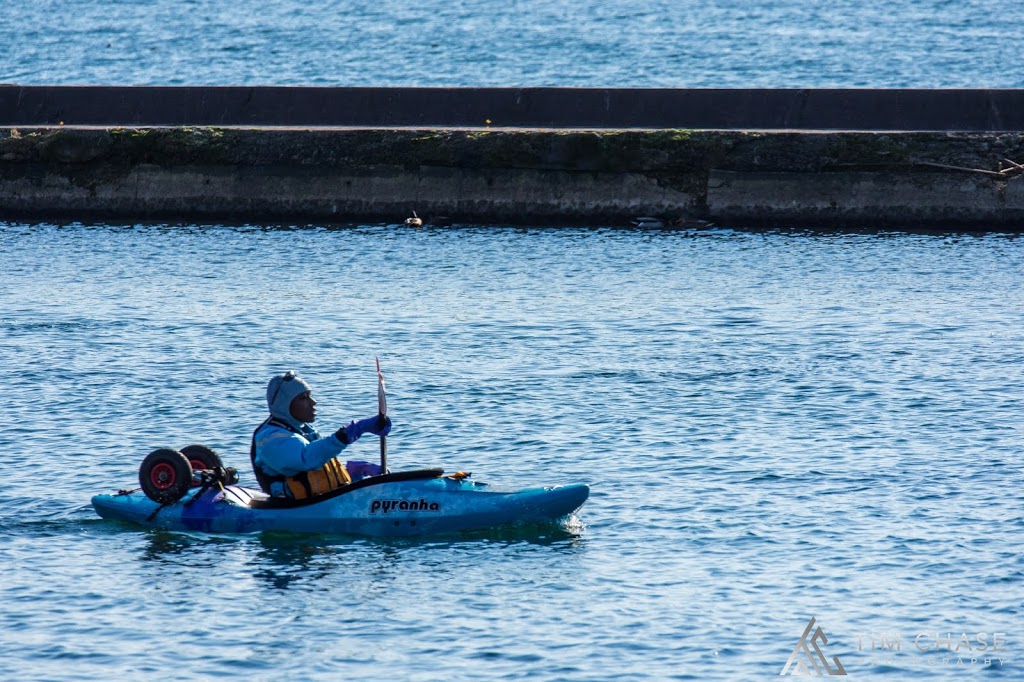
point(378, 426)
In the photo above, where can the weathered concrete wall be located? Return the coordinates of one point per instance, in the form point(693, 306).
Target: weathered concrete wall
point(820, 179)
point(866, 199)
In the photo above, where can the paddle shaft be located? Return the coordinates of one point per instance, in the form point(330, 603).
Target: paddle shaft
point(382, 407)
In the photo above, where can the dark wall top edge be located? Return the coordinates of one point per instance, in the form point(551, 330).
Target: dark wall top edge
point(978, 110)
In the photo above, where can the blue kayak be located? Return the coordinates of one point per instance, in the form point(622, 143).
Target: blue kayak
point(418, 502)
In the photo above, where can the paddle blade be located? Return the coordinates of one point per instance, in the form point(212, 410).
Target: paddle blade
point(382, 401)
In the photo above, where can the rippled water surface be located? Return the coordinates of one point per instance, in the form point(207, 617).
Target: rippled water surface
point(775, 425)
point(593, 43)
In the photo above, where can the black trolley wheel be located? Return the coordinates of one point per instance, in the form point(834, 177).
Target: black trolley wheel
point(201, 457)
point(165, 475)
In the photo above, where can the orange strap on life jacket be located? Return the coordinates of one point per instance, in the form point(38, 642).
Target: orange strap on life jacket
point(330, 476)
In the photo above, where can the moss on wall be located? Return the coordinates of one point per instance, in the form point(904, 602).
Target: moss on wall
point(644, 151)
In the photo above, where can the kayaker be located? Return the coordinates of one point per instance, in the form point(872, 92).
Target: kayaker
point(289, 457)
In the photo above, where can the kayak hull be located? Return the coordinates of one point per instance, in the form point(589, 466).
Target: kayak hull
point(390, 508)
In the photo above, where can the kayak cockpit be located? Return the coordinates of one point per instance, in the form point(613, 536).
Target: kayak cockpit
point(267, 502)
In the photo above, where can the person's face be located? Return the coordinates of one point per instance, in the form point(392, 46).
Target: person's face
point(303, 407)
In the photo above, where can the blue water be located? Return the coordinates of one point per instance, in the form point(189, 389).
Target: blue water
point(594, 43)
point(775, 425)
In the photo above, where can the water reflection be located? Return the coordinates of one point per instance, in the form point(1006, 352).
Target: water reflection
point(285, 561)
point(166, 547)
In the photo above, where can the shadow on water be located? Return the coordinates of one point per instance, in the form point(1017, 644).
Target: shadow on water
point(163, 546)
point(284, 560)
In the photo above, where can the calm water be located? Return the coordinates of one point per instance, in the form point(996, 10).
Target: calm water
point(600, 43)
point(776, 426)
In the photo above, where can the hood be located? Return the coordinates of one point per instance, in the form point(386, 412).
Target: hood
point(281, 391)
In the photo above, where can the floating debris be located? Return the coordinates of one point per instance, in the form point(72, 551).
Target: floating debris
point(693, 223)
point(648, 223)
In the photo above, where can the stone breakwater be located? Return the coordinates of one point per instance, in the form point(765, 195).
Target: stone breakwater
point(606, 177)
point(859, 158)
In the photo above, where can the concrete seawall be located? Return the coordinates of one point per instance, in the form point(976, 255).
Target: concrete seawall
point(948, 160)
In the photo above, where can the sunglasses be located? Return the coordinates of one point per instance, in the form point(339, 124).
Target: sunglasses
point(288, 376)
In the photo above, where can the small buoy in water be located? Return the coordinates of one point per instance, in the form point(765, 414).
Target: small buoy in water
point(693, 223)
point(414, 220)
point(648, 222)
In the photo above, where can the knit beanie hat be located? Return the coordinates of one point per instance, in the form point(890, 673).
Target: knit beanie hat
point(281, 391)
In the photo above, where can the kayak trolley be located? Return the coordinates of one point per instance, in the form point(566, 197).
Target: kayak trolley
point(167, 474)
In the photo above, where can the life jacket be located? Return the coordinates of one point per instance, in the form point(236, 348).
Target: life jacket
point(330, 476)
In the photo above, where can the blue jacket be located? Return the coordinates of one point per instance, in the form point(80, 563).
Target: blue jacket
point(278, 450)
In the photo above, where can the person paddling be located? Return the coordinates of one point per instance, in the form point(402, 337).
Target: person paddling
point(289, 457)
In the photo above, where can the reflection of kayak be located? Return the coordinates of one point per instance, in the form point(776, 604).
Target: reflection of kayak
point(416, 502)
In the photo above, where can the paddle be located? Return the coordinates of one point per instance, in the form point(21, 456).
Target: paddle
point(382, 407)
